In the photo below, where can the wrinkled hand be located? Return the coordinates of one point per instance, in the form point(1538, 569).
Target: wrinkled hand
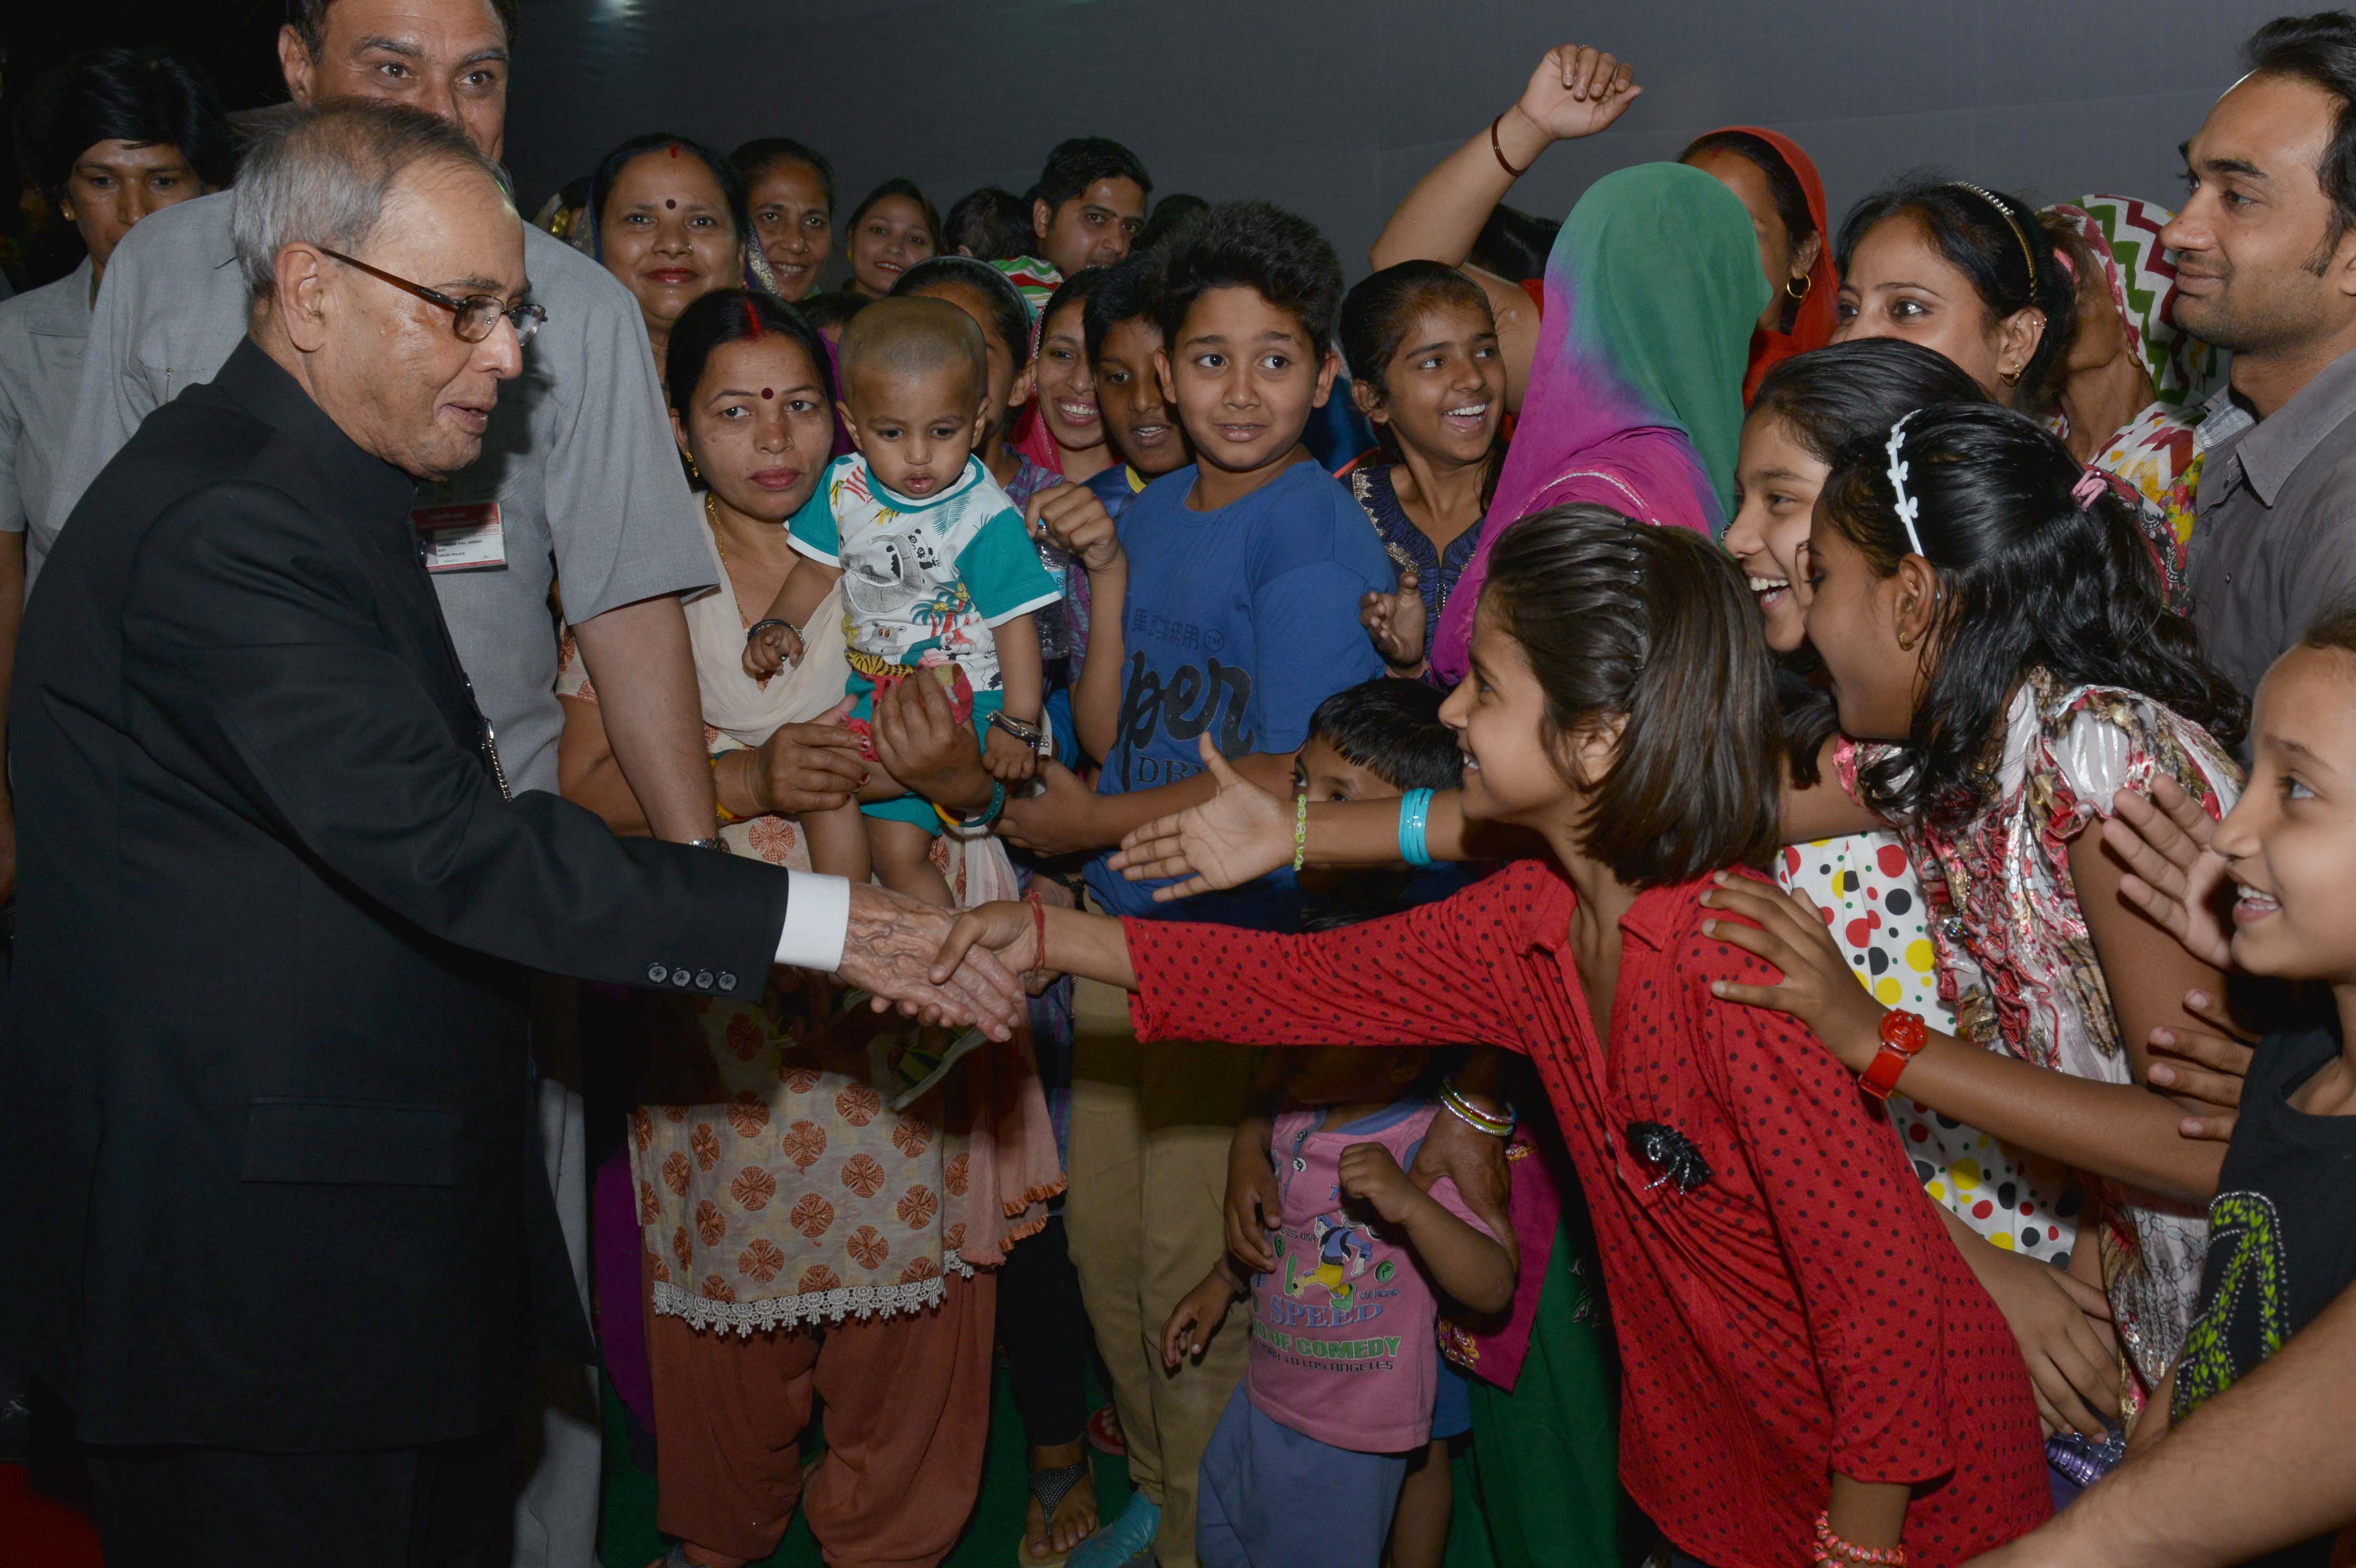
point(892, 949)
point(1055, 820)
point(2063, 1328)
point(1818, 988)
point(1394, 624)
point(1010, 761)
point(1253, 1208)
point(1371, 1174)
point(1239, 834)
point(808, 767)
point(771, 649)
point(1006, 932)
point(919, 742)
point(1475, 1162)
point(2172, 874)
point(1073, 517)
point(2204, 1066)
point(1577, 91)
point(1196, 1317)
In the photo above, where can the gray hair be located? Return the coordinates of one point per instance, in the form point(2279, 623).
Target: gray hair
point(320, 175)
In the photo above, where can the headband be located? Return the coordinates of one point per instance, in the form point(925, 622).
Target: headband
point(1909, 507)
point(2012, 223)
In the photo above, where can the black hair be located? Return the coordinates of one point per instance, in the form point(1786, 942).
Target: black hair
point(992, 224)
point(1392, 728)
point(1169, 215)
point(1381, 309)
point(1124, 291)
point(1782, 181)
point(141, 95)
point(1996, 242)
point(2028, 579)
point(724, 172)
point(1007, 307)
point(1079, 162)
point(1078, 289)
point(759, 155)
point(309, 20)
point(834, 309)
point(1513, 244)
point(2319, 50)
point(735, 315)
point(1619, 619)
point(896, 186)
point(1257, 246)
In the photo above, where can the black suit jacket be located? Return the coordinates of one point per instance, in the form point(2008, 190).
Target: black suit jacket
point(265, 1099)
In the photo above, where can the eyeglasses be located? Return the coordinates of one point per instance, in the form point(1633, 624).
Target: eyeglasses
point(474, 318)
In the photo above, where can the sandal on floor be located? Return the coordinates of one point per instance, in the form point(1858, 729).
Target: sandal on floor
point(1049, 1488)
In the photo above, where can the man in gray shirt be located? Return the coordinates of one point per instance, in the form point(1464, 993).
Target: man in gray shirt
point(2267, 265)
point(578, 484)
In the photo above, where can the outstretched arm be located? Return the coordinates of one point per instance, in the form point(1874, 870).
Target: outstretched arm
point(2265, 1465)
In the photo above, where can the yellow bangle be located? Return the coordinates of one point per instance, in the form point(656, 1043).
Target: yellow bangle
point(718, 806)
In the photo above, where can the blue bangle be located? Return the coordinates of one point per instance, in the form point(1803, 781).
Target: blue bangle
point(1415, 808)
point(989, 815)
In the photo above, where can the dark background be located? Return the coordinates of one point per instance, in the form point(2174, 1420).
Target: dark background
point(1332, 109)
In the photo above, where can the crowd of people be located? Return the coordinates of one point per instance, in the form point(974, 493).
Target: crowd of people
point(1661, 888)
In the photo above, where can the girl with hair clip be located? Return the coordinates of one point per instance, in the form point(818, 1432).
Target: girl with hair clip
point(1811, 1374)
point(2014, 1215)
point(1996, 640)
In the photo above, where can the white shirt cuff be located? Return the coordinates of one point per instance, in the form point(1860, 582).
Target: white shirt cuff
point(817, 922)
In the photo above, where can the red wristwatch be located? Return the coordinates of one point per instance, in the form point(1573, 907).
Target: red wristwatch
point(1903, 1035)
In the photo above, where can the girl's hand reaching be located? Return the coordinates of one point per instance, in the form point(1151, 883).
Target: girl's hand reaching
point(2203, 1067)
point(2172, 874)
point(1394, 624)
point(1197, 1317)
point(1239, 834)
point(1818, 988)
point(2063, 1328)
point(1577, 91)
point(1009, 930)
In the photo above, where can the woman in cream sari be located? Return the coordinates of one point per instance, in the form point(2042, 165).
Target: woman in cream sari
point(808, 1227)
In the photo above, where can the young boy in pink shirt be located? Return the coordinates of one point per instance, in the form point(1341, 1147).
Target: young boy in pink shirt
point(1306, 1462)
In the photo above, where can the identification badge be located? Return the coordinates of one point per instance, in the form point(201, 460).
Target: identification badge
point(461, 539)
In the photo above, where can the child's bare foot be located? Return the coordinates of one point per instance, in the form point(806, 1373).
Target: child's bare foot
point(1063, 1510)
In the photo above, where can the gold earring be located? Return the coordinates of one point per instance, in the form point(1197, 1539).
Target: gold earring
point(1797, 288)
point(2010, 378)
point(1906, 644)
point(694, 474)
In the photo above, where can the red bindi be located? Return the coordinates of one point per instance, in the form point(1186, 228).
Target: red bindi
point(767, 392)
point(669, 202)
point(673, 149)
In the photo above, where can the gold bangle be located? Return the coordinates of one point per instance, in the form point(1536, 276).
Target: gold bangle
point(718, 804)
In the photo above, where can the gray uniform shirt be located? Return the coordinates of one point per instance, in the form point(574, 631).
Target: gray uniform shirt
point(43, 335)
point(579, 454)
point(2274, 540)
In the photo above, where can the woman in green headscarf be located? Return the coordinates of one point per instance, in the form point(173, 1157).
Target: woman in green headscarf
point(1635, 394)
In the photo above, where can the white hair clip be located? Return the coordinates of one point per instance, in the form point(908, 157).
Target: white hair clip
point(1909, 507)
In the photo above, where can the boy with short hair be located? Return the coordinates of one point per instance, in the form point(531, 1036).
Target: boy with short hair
point(1122, 336)
point(1225, 602)
point(938, 571)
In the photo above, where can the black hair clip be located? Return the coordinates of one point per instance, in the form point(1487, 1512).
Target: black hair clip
point(1670, 1152)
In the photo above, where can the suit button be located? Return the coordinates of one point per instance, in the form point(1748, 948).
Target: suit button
point(656, 974)
point(679, 976)
point(703, 980)
point(727, 981)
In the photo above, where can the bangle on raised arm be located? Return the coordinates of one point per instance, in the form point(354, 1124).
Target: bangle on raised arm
point(1300, 831)
point(719, 805)
point(1497, 148)
point(1415, 811)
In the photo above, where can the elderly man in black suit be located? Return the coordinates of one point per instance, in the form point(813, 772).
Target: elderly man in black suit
point(275, 1227)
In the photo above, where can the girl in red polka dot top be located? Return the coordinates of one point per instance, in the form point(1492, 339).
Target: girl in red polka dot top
point(1812, 1375)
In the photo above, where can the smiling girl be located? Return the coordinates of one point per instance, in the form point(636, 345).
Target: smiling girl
point(1421, 346)
point(891, 231)
point(1813, 1347)
point(1992, 627)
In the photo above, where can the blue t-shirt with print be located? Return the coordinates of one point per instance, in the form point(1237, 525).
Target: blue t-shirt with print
point(1239, 622)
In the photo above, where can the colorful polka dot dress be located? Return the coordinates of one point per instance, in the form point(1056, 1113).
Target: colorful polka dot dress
point(1870, 897)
